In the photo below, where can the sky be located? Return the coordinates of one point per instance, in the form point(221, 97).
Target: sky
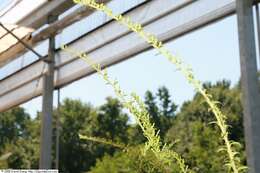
point(4, 3)
point(211, 51)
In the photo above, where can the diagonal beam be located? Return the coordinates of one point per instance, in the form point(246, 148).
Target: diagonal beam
point(20, 41)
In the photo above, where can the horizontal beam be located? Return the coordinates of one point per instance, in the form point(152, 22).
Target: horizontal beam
point(167, 19)
point(39, 16)
point(10, 54)
point(59, 25)
point(50, 30)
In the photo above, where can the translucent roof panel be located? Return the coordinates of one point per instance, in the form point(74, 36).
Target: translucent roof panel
point(12, 11)
point(4, 4)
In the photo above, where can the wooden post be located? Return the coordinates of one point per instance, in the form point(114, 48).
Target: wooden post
point(250, 85)
point(47, 106)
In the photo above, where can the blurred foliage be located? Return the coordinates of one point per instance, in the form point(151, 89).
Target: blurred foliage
point(128, 161)
point(108, 121)
point(197, 138)
point(19, 138)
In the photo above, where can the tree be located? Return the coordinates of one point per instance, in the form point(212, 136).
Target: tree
point(13, 125)
point(18, 137)
point(75, 117)
point(20, 134)
point(25, 154)
point(199, 140)
point(108, 121)
point(130, 161)
point(161, 110)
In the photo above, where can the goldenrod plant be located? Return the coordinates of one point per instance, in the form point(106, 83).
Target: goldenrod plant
point(103, 141)
point(136, 106)
point(146, 161)
point(233, 161)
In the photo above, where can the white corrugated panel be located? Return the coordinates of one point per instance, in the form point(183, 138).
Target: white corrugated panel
point(18, 9)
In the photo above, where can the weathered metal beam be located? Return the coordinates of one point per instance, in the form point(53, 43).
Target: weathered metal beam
point(258, 28)
point(39, 17)
point(47, 107)
point(250, 83)
point(59, 25)
point(166, 19)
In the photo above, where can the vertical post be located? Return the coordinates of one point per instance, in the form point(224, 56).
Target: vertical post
point(57, 132)
point(47, 106)
point(249, 80)
point(258, 28)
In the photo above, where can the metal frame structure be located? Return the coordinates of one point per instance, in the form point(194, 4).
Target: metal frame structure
point(178, 17)
point(250, 84)
point(174, 15)
point(20, 41)
point(47, 105)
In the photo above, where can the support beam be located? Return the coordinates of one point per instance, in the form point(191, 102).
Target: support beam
point(57, 146)
point(59, 25)
point(47, 108)
point(258, 28)
point(250, 84)
point(39, 16)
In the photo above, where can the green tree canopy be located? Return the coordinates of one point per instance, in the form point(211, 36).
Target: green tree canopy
point(18, 136)
point(13, 125)
point(108, 121)
point(199, 139)
point(162, 111)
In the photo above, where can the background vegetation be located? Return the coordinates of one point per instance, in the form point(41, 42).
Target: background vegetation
point(187, 127)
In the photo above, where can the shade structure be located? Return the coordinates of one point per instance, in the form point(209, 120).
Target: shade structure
point(8, 41)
